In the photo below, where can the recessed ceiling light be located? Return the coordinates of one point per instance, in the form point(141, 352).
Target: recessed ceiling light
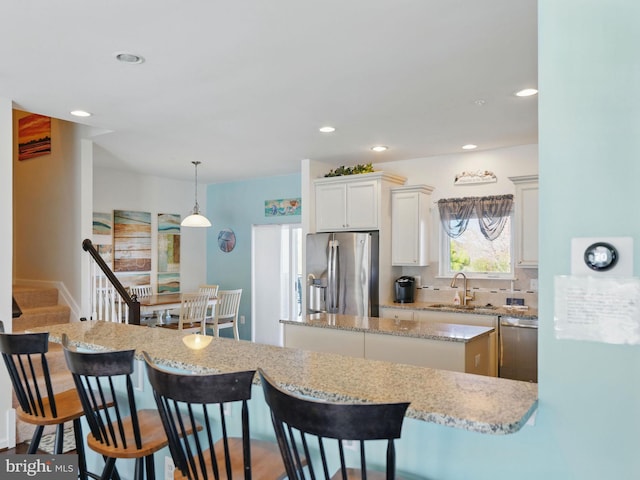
point(379, 148)
point(130, 58)
point(526, 92)
point(327, 129)
point(80, 113)
point(469, 146)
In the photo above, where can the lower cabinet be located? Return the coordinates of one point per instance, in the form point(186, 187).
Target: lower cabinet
point(471, 357)
point(329, 340)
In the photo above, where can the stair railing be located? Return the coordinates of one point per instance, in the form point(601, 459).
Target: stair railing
point(110, 300)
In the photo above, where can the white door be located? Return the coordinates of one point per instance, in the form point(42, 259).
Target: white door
point(276, 269)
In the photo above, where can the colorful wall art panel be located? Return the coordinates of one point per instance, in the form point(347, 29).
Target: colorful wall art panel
point(34, 136)
point(133, 280)
point(168, 242)
point(106, 252)
point(279, 208)
point(102, 223)
point(168, 282)
point(132, 241)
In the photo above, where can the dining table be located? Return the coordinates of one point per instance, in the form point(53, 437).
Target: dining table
point(159, 306)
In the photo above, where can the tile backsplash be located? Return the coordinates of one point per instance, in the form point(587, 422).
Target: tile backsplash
point(438, 290)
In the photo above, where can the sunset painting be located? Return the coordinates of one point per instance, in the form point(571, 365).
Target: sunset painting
point(34, 136)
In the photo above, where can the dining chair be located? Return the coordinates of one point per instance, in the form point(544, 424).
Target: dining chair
point(212, 290)
point(141, 290)
point(193, 308)
point(226, 311)
point(25, 356)
point(122, 431)
point(210, 400)
point(318, 430)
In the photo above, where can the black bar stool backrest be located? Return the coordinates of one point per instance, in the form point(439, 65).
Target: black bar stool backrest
point(303, 424)
point(199, 396)
point(25, 358)
point(96, 376)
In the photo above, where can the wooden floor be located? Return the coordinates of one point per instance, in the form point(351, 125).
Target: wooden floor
point(21, 449)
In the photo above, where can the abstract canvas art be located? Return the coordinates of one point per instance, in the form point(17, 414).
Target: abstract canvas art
point(168, 282)
point(168, 243)
point(102, 223)
point(34, 136)
point(281, 207)
point(132, 241)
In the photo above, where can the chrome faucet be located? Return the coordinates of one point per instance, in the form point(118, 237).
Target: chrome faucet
point(465, 297)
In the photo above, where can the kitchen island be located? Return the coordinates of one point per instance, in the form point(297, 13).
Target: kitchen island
point(472, 402)
point(447, 346)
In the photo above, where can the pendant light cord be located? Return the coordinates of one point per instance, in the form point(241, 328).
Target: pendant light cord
point(196, 208)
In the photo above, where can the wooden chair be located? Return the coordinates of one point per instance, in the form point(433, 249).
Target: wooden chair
point(204, 398)
point(212, 290)
point(121, 431)
point(192, 311)
point(226, 311)
point(24, 355)
point(141, 291)
point(303, 424)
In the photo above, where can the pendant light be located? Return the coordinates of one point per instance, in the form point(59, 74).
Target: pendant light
point(196, 219)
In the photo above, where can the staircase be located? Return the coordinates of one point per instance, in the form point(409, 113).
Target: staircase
point(40, 308)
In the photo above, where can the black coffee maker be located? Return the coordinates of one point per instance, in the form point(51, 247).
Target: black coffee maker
point(405, 287)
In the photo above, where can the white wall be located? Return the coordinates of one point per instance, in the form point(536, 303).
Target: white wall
point(118, 190)
point(7, 425)
point(440, 172)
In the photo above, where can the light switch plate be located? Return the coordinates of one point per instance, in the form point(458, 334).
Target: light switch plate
point(623, 267)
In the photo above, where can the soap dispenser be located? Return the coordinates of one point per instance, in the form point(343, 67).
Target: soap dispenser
point(456, 299)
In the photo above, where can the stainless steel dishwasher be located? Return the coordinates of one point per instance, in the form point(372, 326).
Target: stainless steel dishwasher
point(518, 349)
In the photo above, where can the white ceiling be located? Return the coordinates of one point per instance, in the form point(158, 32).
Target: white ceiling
point(244, 85)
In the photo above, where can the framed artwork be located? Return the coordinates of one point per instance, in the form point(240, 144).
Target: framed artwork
point(169, 223)
point(134, 279)
point(131, 241)
point(168, 242)
point(34, 136)
point(226, 240)
point(106, 252)
point(168, 282)
point(282, 207)
point(102, 223)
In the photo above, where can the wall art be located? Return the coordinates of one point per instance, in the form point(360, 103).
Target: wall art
point(478, 176)
point(226, 240)
point(282, 207)
point(132, 241)
point(168, 242)
point(102, 223)
point(34, 136)
point(168, 282)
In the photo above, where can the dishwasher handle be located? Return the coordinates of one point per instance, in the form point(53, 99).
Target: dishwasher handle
point(517, 322)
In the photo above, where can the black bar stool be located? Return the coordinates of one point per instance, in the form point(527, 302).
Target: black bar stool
point(203, 397)
point(118, 428)
point(316, 429)
point(24, 354)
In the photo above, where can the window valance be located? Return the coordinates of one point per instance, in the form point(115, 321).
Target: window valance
point(492, 213)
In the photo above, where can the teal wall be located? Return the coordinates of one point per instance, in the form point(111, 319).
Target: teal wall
point(238, 206)
point(588, 422)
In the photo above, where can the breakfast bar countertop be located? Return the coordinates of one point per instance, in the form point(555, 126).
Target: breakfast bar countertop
point(448, 332)
point(472, 402)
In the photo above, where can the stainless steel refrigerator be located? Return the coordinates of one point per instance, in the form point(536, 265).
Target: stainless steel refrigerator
point(342, 273)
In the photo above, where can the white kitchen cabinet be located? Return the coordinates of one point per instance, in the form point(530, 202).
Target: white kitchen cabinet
point(324, 340)
point(526, 220)
point(437, 316)
point(410, 206)
point(396, 313)
point(353, 202)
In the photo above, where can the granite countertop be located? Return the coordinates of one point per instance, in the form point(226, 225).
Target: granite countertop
point(388, 326)
point(477, 310)
point(472, 402)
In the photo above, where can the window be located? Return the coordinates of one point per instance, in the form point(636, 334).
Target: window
point(476, 256)
point(476, 236)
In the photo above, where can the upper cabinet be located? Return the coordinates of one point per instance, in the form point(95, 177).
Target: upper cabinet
point(410, 207)
point(526, 220)
point(353, 202)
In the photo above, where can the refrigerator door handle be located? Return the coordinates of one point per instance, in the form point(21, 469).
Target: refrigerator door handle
point(333, 277)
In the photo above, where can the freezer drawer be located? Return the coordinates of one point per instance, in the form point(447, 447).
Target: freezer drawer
point(518, 349)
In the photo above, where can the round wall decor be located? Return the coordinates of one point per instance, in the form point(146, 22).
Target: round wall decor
point(226, 240)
